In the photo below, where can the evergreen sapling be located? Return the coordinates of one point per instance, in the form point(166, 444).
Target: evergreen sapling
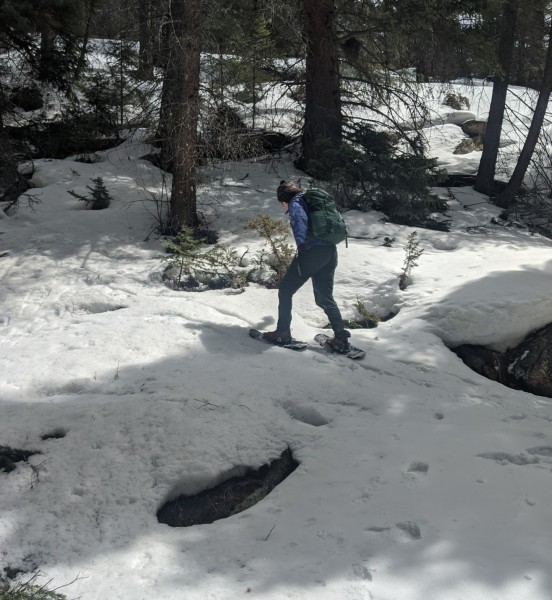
point(192, 264)
point(413, 253)
point(275, 233)
point(100, 198)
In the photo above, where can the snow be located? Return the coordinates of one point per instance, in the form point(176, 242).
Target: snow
point(415, 479)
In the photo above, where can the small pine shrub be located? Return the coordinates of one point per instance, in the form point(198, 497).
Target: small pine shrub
point(367, 173)
point(413, 253)
point(275, 233)
point(100, 197)
point(192, 265)
point(366, 318)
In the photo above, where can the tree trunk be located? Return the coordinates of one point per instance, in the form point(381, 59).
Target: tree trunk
point(146, 34)
point(47, 51)
point(491, 140)
point(182, 98)
point(506, 198)
point(81, 63)
point(323, 102)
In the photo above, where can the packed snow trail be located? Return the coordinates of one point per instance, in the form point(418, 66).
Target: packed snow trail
point(418, 479)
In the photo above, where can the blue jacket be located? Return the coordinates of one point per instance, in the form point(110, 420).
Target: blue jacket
point(299, 220)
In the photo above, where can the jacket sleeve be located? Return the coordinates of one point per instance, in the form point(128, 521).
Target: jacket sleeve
point(299, 220)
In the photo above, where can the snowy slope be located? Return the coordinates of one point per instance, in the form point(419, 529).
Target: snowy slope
point(415, 479)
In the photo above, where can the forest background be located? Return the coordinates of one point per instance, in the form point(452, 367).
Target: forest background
point(348, 65)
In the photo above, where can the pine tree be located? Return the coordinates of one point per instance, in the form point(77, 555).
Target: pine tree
point(59, 25)
point(506, 198)
point(323, 96)
point(99, 198)
point(181, 110)
point(491, 139)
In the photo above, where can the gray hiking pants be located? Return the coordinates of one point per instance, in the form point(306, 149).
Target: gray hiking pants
point(317, 263)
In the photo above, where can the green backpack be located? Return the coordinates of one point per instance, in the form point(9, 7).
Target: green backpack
point(325, 221)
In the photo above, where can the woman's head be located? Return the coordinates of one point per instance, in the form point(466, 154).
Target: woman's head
point(287, 190)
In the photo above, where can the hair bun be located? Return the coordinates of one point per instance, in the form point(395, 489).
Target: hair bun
point(287, 190)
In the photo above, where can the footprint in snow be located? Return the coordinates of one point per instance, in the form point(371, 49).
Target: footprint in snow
point(411, 476)
point(514, 418)
point(418, 467)
point(411, 529)
point(306, 413)
point(408, 530)
point(361, 572)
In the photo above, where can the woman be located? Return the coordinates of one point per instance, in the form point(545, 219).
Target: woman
point(316, 259)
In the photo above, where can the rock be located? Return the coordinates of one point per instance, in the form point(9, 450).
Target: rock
point(469, 145)
point(530, 363)
point(527, 367)
point(474, 128)
point(26, 168)
point(488, 363)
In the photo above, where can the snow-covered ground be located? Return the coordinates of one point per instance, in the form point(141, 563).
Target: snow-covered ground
point(416, 477)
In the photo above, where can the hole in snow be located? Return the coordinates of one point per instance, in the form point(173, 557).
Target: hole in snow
point(228, 498)
point(10, 456)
